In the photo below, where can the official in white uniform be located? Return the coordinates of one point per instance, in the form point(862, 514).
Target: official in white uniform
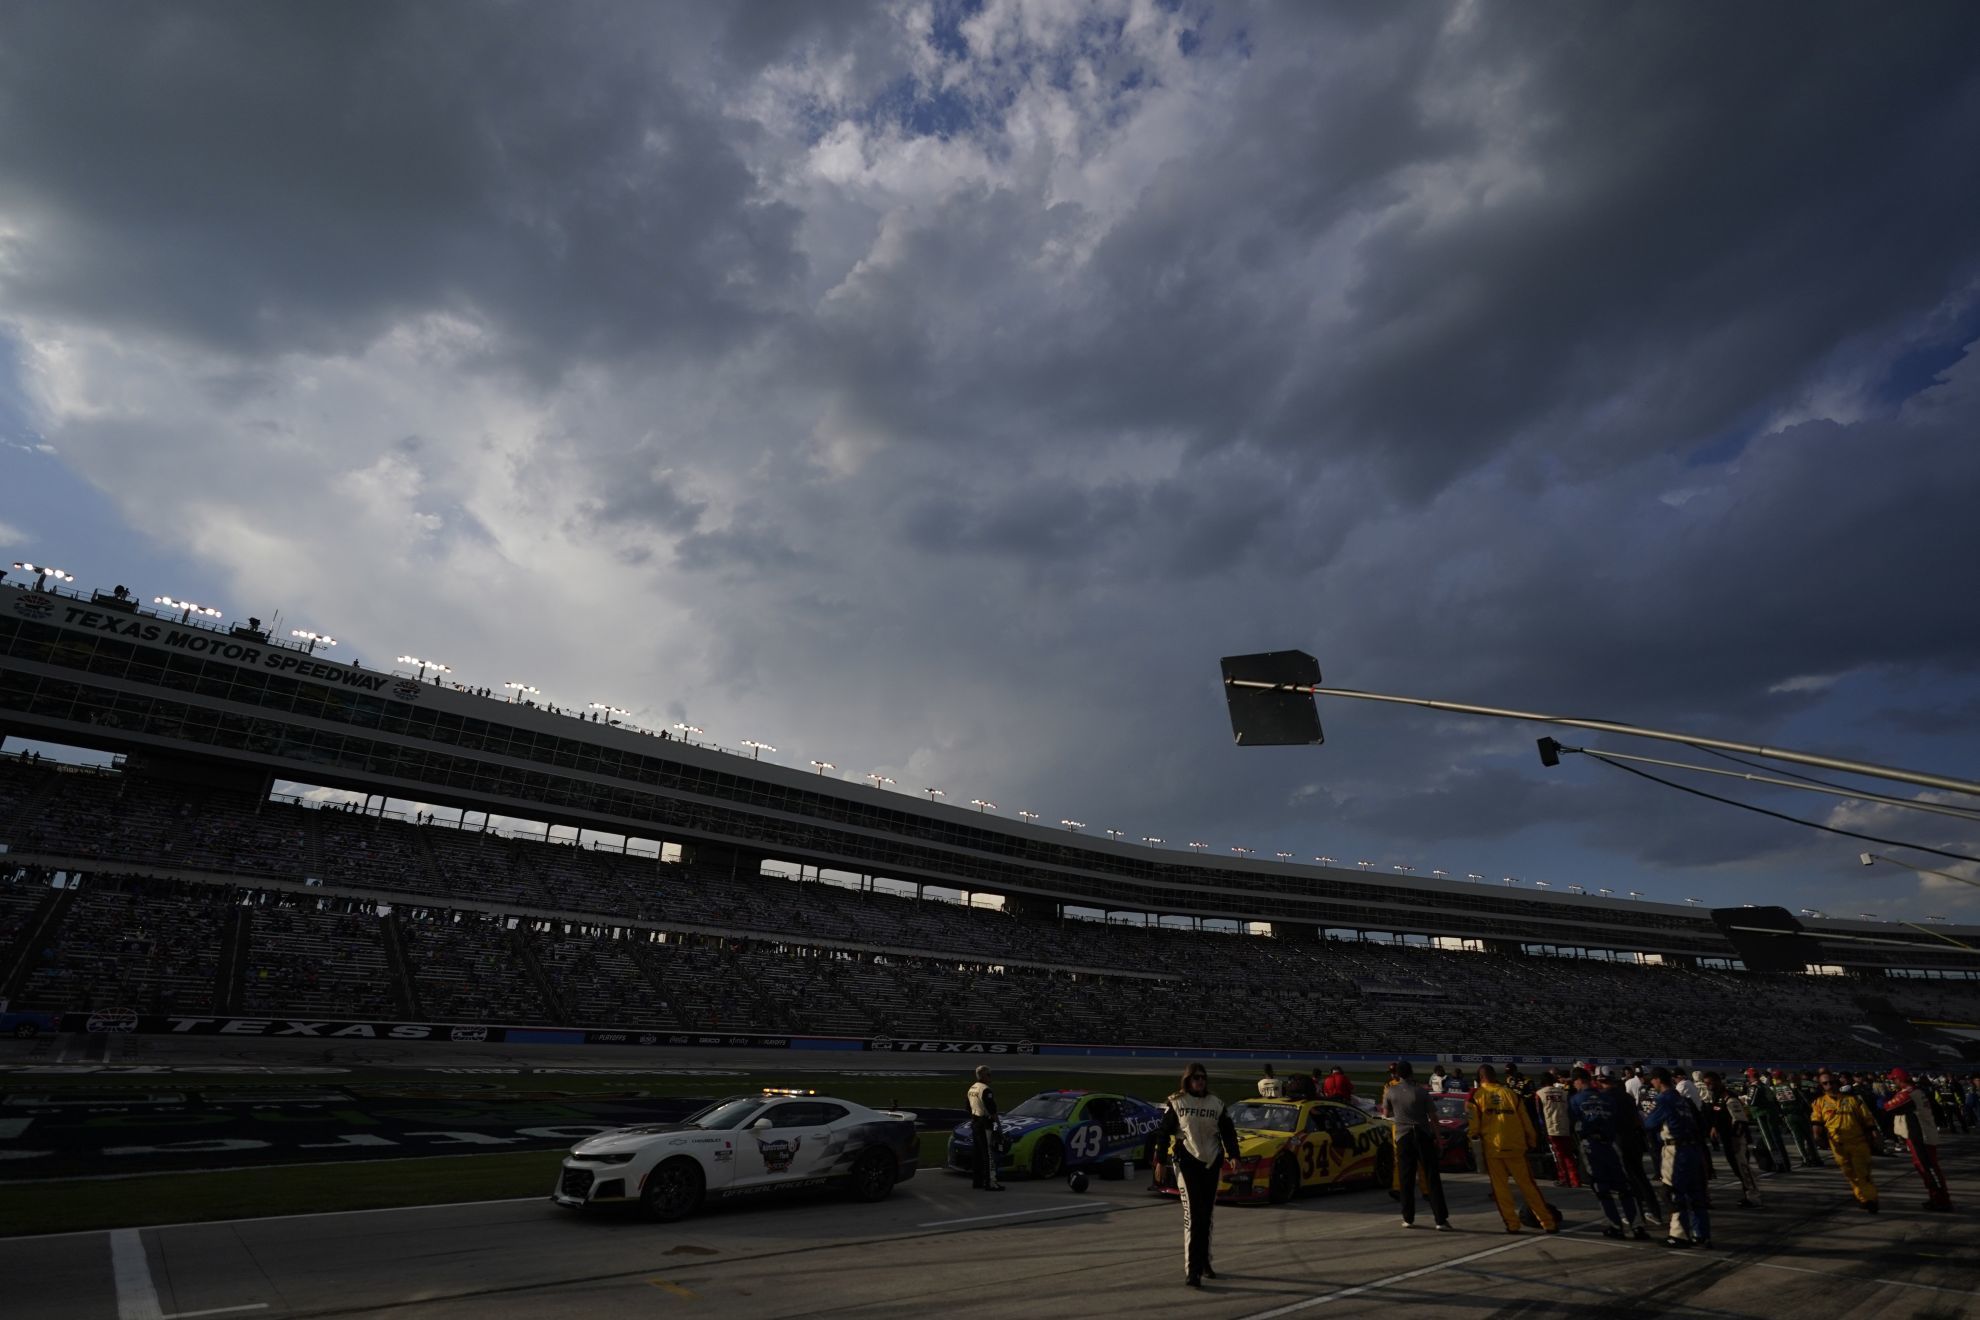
point(1197, 1131)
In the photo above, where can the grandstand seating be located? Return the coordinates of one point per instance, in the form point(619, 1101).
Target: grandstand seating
point(761, 953)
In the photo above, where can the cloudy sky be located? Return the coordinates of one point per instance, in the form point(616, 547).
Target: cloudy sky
point(939, 389)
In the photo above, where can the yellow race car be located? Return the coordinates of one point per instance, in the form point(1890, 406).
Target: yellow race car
point(1290, 1146)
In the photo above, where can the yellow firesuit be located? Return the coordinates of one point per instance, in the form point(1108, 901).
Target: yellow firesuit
point(1499, 1123)
point(1850, 1125)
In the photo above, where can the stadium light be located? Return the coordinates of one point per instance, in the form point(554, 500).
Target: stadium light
point(1809, 912)
point(1115, 835)
point(425, 665)
point(1935, 918)
point(1198, 845)
point(1513, 880)
point(1606, 893)
point(1398, 866)
point(516, 691)
point(1440, 872)
point(685, 728)
point(1027, 815)
point(1871, 859)
point(1151, 839)
point(1074, 825)
point(822, 766)
point(757, 749)
point(186, 608)
point(611, 710)
point(878, 778)
point(1324, 861)
point(1577, 889)
point(934, 793)
point(312, 640)
point(1283, 856)
point(1869, 916)
point(42, 573)
point(1364, 863)
point(1241, 850)
point(1636, 893)
point(1270, 697)
point(1691, 902)
point(1474, 877)
point(981, 805)
point(1542, 884)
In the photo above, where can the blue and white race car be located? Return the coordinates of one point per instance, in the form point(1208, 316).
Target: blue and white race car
point(1055, 1131)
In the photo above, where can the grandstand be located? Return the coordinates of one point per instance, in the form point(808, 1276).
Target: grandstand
point(192, 884)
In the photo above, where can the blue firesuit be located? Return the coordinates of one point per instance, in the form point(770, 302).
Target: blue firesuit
point(1595, 1123)
point(1677, 1119)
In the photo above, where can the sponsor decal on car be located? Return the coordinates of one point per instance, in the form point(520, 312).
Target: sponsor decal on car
point(777, 1155)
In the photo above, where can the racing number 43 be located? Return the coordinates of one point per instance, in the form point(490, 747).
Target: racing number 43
point(1083, 1143)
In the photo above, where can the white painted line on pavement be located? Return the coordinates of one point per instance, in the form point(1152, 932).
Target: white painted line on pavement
point(1737, 1264)
point(137, 1299)
point(1525, 1240)
point(217, 1310)
point(270, 1219)
point(1014, 1214)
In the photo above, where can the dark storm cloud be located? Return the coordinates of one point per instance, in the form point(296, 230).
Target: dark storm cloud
point(268, 178)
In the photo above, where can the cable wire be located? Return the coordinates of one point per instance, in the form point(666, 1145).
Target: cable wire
point(1777, 815)
point(1772, 769)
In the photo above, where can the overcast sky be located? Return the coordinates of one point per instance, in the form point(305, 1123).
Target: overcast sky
point(939, 390)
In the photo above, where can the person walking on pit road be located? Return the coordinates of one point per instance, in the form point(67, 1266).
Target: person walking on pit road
point(984, 1133)
point(1411, 1110)
point(1851, 1129)
point(1681, 1161)
point(1504, 1135)
point(1912, 1121)
point(1198, 1134)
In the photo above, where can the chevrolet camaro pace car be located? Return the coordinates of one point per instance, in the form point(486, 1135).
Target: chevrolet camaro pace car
point(1057, 1131)
point(747, 1145)
point(1291, 1146)
point(1453, 1122)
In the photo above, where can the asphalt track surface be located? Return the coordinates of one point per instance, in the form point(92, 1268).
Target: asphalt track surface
point(937, 1247)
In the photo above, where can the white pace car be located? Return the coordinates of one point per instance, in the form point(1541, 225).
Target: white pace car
point(746, 1145)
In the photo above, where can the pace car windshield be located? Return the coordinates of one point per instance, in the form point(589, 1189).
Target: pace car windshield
point(726, 1114)
point(1047, 1107)
point(1274, 1118)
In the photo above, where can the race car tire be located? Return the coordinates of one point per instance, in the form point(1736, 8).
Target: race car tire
point(1285, 1179)
point(673, 1190)
point(1048, 1157)
point(872, 1177)
point(1385, 1165)
point(26, 1031)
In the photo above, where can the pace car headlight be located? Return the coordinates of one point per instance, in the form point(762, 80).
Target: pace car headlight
point(619, 1157)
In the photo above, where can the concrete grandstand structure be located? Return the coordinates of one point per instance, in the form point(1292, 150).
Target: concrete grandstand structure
point(270, 905)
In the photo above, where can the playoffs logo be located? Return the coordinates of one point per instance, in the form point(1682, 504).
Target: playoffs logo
point(777, 1155)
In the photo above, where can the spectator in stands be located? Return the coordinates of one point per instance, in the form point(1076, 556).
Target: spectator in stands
point(1912, 1120)
point(1683, 1163)
point(1557, 1122)
point(1504, 1135)
point(1594, 1111)
point(1197, 1134)
point(1414, 1116)
point(1269, 1086)
point(985, 1133)
point(1851, 1129)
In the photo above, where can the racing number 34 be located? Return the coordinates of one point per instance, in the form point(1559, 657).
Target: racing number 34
point(1312, 1154)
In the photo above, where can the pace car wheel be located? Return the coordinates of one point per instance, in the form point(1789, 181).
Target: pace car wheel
point(673, 1190)
point(1048, 1158)
point(1285, 1179)
point(1385, 1166)
point(873, 1176)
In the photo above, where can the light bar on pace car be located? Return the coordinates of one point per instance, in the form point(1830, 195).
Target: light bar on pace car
point(786, 1090)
